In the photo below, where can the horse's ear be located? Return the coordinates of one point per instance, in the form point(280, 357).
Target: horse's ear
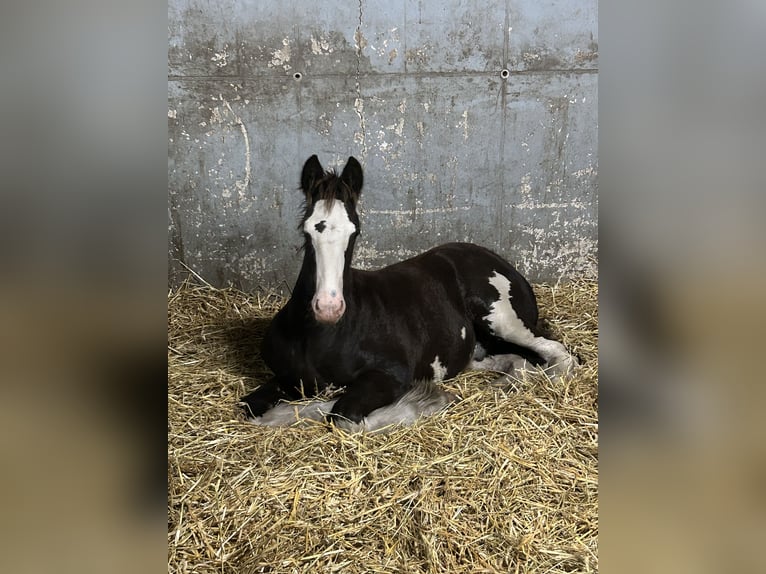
point(352, 177)
point(312, 172)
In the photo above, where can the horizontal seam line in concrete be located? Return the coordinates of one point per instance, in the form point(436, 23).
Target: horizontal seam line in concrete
point(305, 77)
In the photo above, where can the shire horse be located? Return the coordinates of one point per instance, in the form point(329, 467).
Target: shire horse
point(388, 336)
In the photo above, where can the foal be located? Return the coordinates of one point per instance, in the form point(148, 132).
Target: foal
point(387, 336)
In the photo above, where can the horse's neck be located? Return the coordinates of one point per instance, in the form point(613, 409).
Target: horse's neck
point(304, 287)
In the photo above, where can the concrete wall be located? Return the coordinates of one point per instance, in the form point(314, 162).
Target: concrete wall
point(474, 121)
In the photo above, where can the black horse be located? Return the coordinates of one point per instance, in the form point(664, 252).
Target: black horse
point(387, 336)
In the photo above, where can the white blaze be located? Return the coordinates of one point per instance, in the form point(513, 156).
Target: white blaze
point(330, 229)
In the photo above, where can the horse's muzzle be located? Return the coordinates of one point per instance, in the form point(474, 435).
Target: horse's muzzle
point(328, 309)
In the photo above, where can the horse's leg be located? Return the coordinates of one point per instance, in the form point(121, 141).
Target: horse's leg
point(276, 389)
point(424, 398)
point(558, 361)
point(285, 414)
point(257, 402)
point(372, 390)
point(509, 319)
point(505, 363)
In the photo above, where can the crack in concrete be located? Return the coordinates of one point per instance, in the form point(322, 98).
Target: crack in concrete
point(359, 102)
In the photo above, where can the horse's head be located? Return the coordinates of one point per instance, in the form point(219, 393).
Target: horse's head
point(330, 225)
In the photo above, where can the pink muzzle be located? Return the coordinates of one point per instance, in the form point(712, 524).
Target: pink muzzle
point(328, 307)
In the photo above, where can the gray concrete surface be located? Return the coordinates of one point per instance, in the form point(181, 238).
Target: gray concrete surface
point(474, 121)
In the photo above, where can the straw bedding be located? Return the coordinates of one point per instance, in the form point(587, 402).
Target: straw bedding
point(503, 481)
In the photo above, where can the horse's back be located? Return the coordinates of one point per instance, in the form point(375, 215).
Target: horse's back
point(483, 277)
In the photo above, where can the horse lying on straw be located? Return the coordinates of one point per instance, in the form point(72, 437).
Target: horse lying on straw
point(388, 336)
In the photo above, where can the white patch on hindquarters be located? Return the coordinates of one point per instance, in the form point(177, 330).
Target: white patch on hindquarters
point(502, 318)
point(423, 400)
point(285, 414)
point(462, 333)
point(506, 324)
point(440, 371)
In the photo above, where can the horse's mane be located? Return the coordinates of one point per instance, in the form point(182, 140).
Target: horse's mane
point(331, 186)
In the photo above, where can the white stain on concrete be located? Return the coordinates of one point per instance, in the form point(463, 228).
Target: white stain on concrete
point(533, 204)
point(421, 131)
point(403, 217)
point(368, 257)
point(397, 128)
point(242, 185)
point(419, 210)
point(567, 224)
point(464, 124)
point(320, 46)
point(530, 57)
point(383, 145)
point(383, 43)
point(221, 59)
point(364, 252)
point(587, 172)
point(324, 124)
point(172, 114)
point(251, 265)
point(419, 55)
point(574, 258)
point(215, 116)
point(281, 57)
point(525, 187)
